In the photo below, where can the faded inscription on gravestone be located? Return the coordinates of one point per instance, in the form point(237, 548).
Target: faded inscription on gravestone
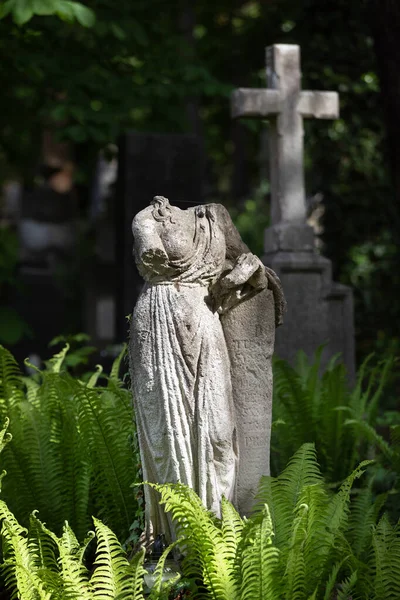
point(250, 333)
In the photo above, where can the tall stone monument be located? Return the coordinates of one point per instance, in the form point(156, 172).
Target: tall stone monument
point(201, 343)
point(319, 311)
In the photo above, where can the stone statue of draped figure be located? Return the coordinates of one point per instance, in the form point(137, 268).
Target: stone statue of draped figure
point(196, 270)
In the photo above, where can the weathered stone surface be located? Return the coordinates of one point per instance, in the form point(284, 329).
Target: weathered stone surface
point(250, 333)
point(319, 310)
point(183, 360)
point(286, 237)
point(286, 104)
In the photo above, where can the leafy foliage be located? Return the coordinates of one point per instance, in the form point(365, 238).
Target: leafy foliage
point(324, 409)
point(23, 10)
point(301, 542)
point(294, 546)
point(74, 450)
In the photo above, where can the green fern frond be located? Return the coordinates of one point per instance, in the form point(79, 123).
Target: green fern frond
point(310, 548)
point(258, 559)
point(294, 578)
point(7, 515)
point(339, 506)
point(380, 373)
point(110, 578)
point(232, 527)
point(114, 375)
point(364, 514)
point(5, 436)
point(32, 388)
point(291, 391)
point(159, 571)
point(372, 436)
point(106, 426)
point(386, 546)
point(73, 573)
point(21, 565)
point(136, 574)
point(333, 575)
point(207, 557)
point(55, 363)
point(95, 377)
point(282, 493)
point(347, 587)
point(42, 544)
point(11, 392)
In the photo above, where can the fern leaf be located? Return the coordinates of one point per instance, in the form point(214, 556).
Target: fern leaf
point(309, 549)
point(159, 571)
point(11, 392)
point(232, 527)
point(5, 437)
point(332, 579)
point(110, 578)
point(295, 583)
point(259, 559)
point(282, 493)
point(55, 363)
point(106, 424)
point(73, 573)
point(347, 587)
point(32, 388)
point(114, 375)
point(207, 555)
point(339, 506)
point(386, 546)
point(95, 376)
point(21, 565)
point(372, 436)
point(136, 574)
point(42, 544)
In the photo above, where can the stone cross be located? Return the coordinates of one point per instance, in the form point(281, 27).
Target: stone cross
point(285, 101)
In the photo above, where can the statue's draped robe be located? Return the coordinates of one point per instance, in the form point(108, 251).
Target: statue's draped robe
point(181, 376)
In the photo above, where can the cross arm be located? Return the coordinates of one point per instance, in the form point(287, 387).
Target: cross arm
point(246, 102)
point(321, 105)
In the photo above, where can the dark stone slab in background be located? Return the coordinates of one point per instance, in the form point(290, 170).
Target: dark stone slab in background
point(150, 164)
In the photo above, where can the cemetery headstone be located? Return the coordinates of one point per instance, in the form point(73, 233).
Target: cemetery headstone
point(47, 232)
point(201, 344)
point(320, 311)
point(150, 164)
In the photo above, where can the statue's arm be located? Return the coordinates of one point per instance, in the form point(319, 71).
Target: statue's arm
point(148, 248)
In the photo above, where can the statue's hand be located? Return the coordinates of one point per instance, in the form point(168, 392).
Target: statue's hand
point(244, 279)
point(247, 269)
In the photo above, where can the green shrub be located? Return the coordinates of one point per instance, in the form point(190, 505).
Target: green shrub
point(73, 452)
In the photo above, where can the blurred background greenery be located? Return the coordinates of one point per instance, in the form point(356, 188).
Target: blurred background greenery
point(90, 71)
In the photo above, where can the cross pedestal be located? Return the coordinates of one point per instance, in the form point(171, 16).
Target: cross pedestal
point(319, 310)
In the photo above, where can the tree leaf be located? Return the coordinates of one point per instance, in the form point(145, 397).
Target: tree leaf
point(22, 11)
point(84, 15)
point(6, 8)
point(44, 7)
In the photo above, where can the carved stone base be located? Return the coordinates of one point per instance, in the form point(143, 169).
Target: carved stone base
point(319, 311)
